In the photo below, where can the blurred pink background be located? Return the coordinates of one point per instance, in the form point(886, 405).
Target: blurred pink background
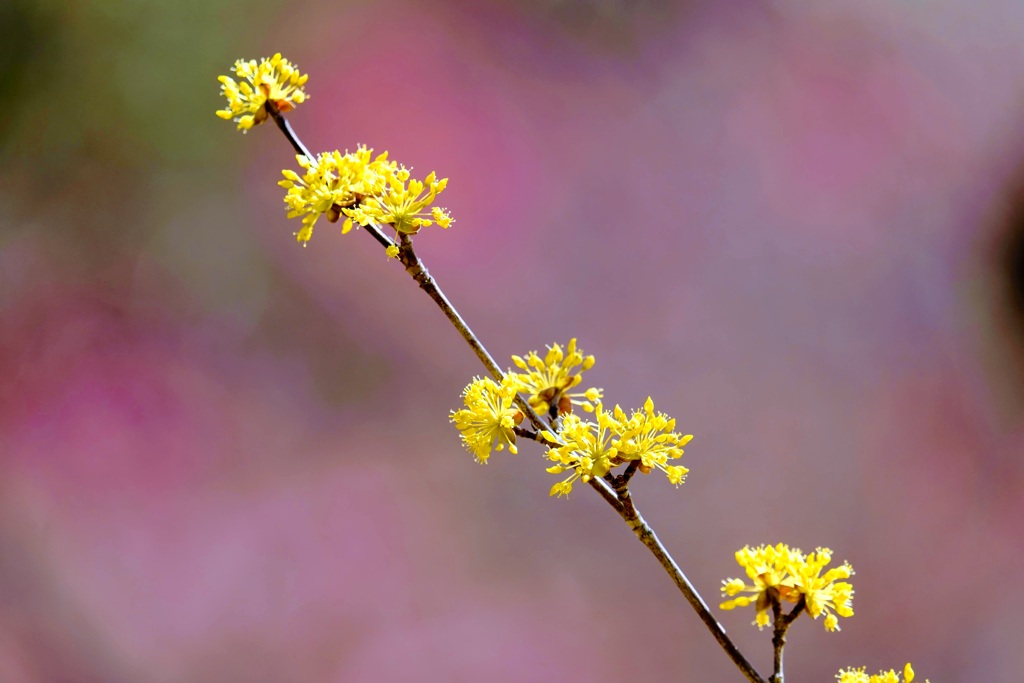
point(798, 226)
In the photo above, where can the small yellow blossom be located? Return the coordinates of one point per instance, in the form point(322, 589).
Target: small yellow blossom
point(584, 448)
point(822, 594)
point(392, 251)
point(547, 381)
point(769, 569)
point(593, 449)
point(403, 202)
point(487, 422)
point(780, 573)
point(859, 676)
point(331, 184)
point(648, 436)
point(274, 81)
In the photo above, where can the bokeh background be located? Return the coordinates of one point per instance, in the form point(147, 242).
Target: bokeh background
point(799, 226)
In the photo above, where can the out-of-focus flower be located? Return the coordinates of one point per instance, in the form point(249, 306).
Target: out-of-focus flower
point(890, 676)
point(403, 203)
point(275, 81)
point(585, 448)
point(648, 436)
point(331, 184)
point(487, 422)
point(547, 381)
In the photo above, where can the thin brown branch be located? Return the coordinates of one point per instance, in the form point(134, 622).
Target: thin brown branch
point(531, 435)
point(627, 510)
point(286, 128)
point(607, 493)
point(627, 474)
point(781, 626)
point(418, 272)
point(615, 494)
point(778, 641)
point(622, 504)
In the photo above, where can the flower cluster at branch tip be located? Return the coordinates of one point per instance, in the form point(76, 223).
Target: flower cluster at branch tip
point(547, 381)
point(362, 188)
point(890, 676)
point(583, 448)
point(488, 421)
point(782, 574)
point(275, 81)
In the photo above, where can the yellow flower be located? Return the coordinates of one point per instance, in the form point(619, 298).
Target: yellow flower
point(647, 436)
point(403, 202)
point(822, 594)
point(332, 183)
point(275, 81)
point(593, 449)
point(364, 189)
point(585, 448)
point(770, 570)
point(859, 676)
point(548, 381)
point(780, 573)
point(853, 676)
point(487, 422)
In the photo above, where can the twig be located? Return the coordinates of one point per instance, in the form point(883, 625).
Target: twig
point(616, 494)
point(286, 128)
point(627, 510)
point(622, 481)
point(527, 434)
point(419, 273)
point(782, 622)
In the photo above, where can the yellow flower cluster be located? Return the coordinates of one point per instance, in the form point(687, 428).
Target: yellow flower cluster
point(593, 449)
point(547, 380)
point(782, 574)
point(488, 421)
point(274, 81)
point(363, 188)
point(890, 676)
point(586, 449)
point(403, 203)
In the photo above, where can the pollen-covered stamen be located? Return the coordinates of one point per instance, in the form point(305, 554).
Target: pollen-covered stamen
point(404, 203)
point(547, 381)
point(332, 183)
point(783, 574)
point(488, 421)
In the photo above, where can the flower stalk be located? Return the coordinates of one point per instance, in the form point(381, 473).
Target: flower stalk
point(375, 193)
point(782, 622)
point(629, 513)
point(618, 498)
